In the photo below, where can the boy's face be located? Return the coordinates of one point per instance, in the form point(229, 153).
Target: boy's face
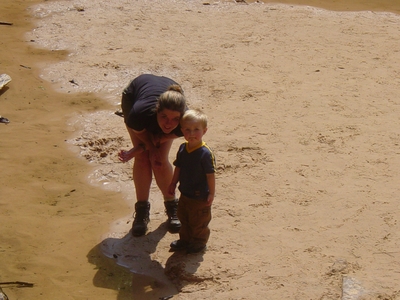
point(193, 132)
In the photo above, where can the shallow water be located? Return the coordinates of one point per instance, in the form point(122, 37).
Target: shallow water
point(347, 5)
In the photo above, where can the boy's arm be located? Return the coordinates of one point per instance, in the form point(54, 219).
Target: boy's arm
point(211, 187)
point(174, 181)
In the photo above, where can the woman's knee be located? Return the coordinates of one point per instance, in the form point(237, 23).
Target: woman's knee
point(142, 160)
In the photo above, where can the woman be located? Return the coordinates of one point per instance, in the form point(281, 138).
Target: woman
point(152, 107)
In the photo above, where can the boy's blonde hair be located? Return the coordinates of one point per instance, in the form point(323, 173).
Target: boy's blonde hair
point(195, 115)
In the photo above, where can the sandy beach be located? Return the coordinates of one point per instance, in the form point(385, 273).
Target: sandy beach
point(303, 106)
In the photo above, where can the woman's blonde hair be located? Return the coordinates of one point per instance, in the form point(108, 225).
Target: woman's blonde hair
point(195, 115)
point(172, 99)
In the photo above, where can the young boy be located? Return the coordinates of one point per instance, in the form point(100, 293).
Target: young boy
point(195, 172)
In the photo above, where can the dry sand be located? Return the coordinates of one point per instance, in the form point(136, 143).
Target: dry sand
point(304, 121)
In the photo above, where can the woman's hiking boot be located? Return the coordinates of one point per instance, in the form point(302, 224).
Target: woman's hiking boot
point(142, 218)
point(171, 208)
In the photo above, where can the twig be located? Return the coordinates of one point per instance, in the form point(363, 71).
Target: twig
point(5, 23)
point(19, 283)
point(386, 253)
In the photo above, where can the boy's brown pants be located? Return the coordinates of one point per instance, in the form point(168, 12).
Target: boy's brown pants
point(195, 217)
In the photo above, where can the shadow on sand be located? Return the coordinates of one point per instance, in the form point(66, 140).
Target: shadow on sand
point(126, 265)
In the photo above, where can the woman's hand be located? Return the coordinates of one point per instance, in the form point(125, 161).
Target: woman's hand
point(156, 139)
point(126, 156)
point(155, 156)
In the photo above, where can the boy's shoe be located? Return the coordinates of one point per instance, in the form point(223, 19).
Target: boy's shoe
point(178, 245)
point(196, 248)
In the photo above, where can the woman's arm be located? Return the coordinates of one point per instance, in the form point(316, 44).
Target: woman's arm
point(167, 137)
point(126, 156)
point(141, 141)
point(145, 136)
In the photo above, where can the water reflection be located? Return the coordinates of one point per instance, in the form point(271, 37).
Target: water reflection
point(344, 5)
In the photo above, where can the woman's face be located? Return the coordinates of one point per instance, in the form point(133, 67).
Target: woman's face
point(168, 120)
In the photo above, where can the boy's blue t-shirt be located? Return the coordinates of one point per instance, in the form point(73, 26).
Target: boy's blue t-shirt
point(194, 166)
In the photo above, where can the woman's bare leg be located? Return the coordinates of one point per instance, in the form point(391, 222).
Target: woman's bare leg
point(141, 171)
point(142, 177)
point(163, 172)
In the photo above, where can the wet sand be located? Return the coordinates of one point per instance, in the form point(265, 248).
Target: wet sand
point(49, 220)
point(55, 224)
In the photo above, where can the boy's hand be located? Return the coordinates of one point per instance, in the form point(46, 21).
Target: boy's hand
point(210, 199)
point(172, 188)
